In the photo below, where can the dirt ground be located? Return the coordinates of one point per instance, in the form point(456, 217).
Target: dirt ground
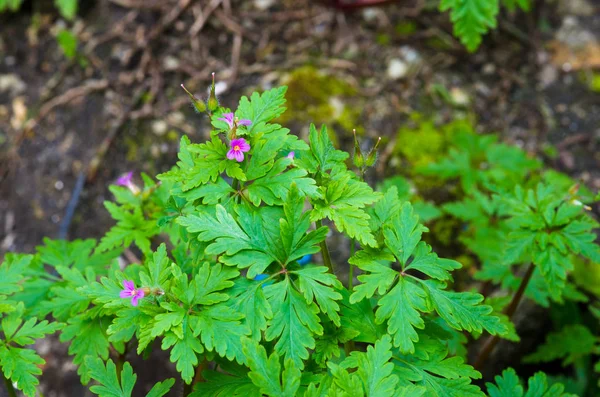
point(117, 103)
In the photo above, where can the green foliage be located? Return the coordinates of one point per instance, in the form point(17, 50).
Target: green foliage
point(473, 19)
point(569, 344)
point(227, 283)
point(508, 385)
point(112, 384)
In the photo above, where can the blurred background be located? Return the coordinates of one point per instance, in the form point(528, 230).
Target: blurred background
point(92, 91)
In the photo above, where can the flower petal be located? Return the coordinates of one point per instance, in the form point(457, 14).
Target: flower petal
point(245, 146)
point(290, 155)
point(245, 122)
point(129, 285)
point(228, 118)
point(140, 293)
point(231, 154)
point(134, 300)
point(125, 294)
point(239, 155)
point(125, 179)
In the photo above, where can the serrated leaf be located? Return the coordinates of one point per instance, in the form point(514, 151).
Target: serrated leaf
point(262, 108)
point(316, 283)
point(266, 372)
point(472, 19)
point(294, 322)
point(21, 366)
point(111, 385)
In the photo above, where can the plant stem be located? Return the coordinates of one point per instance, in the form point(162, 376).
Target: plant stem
point(187, 389)
point(9, 387)
point(351, 270)
point(493, 340)
point(325, 250)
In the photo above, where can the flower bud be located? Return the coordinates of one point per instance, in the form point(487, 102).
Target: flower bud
point(372, 157)
point(199, 106)
point(213, 102)
point(359, 160)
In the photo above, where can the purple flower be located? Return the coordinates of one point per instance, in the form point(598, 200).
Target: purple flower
point(231, 120)
point(290, 155)
point(131, 292)
point(125, 179)
point(238, 147)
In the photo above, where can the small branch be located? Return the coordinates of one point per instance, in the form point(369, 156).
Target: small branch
point(9, 387)
point(325, 250)
point(351, 270)
point(493, 340)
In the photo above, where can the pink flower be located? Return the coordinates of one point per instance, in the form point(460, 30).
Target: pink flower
point(232, 121)
point(290, 155)
point(125, 179)
point(238, 147)
point(131, 292)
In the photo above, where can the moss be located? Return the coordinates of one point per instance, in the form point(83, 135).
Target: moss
point(383, 39)
point(315, 97)
point(406, 28)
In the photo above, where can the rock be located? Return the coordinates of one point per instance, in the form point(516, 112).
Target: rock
point(397, 69)
point(548, 75)
point(170, 63)
point(459, 96)
point(12, 84)
point(263, 4)
point(575, 7)
point(159, 127)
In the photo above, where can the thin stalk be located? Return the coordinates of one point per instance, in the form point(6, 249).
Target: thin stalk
point(325, 250)
point(493, 340)
point(187, 389)
point(351, 270)
point(9, 387)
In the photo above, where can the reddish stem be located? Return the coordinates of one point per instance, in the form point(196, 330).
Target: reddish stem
point(493, 340)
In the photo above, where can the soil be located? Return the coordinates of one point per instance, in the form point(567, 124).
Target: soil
point(530, 82)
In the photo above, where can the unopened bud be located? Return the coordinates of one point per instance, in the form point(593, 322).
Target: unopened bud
point(359, 160)
point(213, 102)
point(372, 157)
point(574, 189)
point(199, 106)
point(152, 291)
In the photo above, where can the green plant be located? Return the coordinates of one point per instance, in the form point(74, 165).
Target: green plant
point(472, 19)
point(230, 286)
point(66, 8)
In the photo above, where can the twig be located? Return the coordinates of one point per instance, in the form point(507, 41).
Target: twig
point(73, 93)
point(204, 15)
point(493, 340)
point(234, 27)
point(235, 57)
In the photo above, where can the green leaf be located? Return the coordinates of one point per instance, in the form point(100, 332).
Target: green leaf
point(234, 383)
point(570, 343)
point(21, 366)
point(161, 388)
point(110, 385)
point(67, 8)
point(360, 316)
point(12, 269)
point(88, 338)
point(220, 330)
point(463, 310)
point(262, 108)
point(322, 148)
point(402, 306)
point(294, 322)
point(472, 19)
point(227, 237)
point(508, 385)
point(184, 351)
point(431, 368)
point(316, 283)
point(248, 298)
point(343, 201)
point(210, 280)
point(403, 233)
point(373, 376)
point(266, 372)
